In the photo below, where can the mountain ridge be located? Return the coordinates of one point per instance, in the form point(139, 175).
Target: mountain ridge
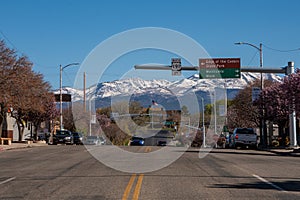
point(162, 90)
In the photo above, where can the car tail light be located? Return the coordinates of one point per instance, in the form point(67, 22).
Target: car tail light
point(236, 137)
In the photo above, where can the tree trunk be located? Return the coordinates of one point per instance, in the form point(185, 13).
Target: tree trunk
point(2, 114)
point(1, 125)
point(36, 131)
point(20, 129)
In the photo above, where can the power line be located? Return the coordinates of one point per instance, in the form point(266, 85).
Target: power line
point(253, 57)
point(12, 44)
point(35, 64)
point(279, 50)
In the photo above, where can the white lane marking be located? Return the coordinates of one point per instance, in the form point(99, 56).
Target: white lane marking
point(269, 183)
point(10, 179)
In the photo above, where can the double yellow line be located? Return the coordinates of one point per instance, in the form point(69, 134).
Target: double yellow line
point(138, 185)
point(137, 189)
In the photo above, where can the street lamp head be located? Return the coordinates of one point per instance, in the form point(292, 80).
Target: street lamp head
point(70, 65)
point(75, 63)
point(238, 43)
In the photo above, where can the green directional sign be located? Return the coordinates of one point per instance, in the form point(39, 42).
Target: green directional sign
point(220, 73)
point(219, 68)
point(169, 123)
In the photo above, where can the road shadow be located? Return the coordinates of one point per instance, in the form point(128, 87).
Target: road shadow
point(245, 152)
point(288, 186)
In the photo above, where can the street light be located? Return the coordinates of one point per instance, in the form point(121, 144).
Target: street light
point(260, 58)
point(261, 86)
point(60, 90)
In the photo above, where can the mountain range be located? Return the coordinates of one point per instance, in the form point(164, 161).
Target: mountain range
point(167, 93)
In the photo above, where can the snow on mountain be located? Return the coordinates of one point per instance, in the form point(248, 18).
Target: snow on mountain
point(246, 78)
point(163, 89)
point(77, 94)
point(128, 86)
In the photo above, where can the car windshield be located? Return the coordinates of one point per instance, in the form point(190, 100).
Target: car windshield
point(92, 137)
point(62, 133)
point(245, 131)
point(76, 134)
point(137, 138)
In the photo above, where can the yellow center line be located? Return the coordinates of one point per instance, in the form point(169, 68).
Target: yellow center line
point(128, 188)
point(138, 187)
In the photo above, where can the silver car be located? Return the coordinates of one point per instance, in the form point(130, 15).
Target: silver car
point(94, 140)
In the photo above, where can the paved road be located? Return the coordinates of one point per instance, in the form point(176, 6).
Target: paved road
point(70, 172)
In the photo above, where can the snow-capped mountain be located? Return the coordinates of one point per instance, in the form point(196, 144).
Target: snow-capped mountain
point(163, 91)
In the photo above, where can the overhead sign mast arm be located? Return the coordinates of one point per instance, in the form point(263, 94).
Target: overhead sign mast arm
point(165, 67)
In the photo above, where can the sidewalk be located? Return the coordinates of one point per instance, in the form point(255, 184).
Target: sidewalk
point(285, 151)
point(21, 145)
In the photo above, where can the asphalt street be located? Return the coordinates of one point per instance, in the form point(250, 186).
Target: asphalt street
point(71, 172)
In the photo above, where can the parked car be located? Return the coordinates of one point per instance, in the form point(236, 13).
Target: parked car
point(94, 140)
point(102, 141)
point(162, 143)
point(63, 137)
point(228, 139)
point(78, 138)
point(243, 137)
point(137, 141)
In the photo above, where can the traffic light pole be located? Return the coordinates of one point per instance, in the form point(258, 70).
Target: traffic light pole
point(288, 70)
point(292, 117)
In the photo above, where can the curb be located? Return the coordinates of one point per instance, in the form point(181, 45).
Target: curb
point(285, 152)
point(20, 146)
point(297, 150)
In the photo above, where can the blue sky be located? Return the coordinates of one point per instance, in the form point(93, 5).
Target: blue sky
point(54, 32)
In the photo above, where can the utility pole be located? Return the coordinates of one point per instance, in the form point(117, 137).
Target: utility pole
point(215, 110)
point(225, 102)
point(60, 98)
point(90, 117)
point(84, 92)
